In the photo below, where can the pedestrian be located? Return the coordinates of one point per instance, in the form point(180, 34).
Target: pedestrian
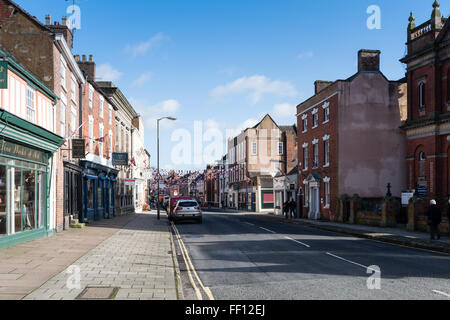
point(434, 220)
point(286, 209)
point(293, 208)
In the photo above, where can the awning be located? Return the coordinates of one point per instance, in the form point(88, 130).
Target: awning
point(91, 177)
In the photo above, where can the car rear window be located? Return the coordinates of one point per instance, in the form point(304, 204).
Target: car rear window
point(187, 204)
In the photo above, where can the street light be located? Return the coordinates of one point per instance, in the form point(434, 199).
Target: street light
point(159, 175)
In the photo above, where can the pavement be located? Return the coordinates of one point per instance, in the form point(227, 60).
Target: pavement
point(399, 236)
point(125, 258)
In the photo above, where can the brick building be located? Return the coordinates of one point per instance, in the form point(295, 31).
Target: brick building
point(254, 158)
point(428, 125)
point(349, 138)
point(98, 130)
point(45, 50)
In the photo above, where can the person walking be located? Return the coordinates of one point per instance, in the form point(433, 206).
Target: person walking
point(286, 209)
point(292, 208)
point(434, 220)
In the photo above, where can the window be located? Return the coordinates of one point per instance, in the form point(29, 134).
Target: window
point(327, 194)
point(63, 74)
point(91, 134)
point(422, 95)
point(110, 143)
point(305, 158)
point(73, 121)
point(62, 118)
point(73, 90)
point(326, 115)
point(90, 193)
point(280, 148)
point(422, 156)
point(31, 109)
point(327, 152)
point(305, 125)
point(102, 101)
point(101, 142)
point(91, 96)
point(254, 148)
point(316, 156)
point(315, 120)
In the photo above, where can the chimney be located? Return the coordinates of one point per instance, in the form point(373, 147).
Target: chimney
point(62, 29)
point(88, 67)
point(369, 60)
point(48, 20)
point(320, 85)
point(77, 58)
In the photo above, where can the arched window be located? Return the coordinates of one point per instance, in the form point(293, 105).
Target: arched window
point(422, 95)
point(422, 156)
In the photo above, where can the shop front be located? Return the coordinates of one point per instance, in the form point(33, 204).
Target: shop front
point(98, 194)
point(26, 157)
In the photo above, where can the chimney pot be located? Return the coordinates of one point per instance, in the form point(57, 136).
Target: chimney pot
point(91, 58)
point(48, 20)
point(64, 21)
point(84, 57)
point(368, 60)
point(77, 58)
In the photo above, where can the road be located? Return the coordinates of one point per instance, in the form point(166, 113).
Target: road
point(243, 257)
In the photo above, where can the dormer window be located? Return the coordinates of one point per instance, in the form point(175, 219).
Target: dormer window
point(422, 88)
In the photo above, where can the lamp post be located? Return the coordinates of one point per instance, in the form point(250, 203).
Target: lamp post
point(159, 175)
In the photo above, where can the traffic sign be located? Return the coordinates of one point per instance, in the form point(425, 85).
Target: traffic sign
point(158, 177)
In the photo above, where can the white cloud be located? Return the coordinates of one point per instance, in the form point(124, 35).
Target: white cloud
point(256, 87)
point(150, 113)
point(284, 110)
point(142, 48)
point(143, 79)
point(106, 72)
point(306, 54)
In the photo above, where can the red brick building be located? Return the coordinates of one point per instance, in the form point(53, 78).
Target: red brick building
point(349, 138)
point(428, 125)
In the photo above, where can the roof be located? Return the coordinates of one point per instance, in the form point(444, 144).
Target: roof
point(29, 16)
point(292, 128)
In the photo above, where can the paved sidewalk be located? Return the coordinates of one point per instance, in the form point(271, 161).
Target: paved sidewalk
point(25, 267)
point(137, 260)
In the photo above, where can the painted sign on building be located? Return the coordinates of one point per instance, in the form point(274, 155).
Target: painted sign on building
point(120, 159)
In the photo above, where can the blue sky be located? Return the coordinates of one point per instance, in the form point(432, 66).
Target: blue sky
point(227, 63)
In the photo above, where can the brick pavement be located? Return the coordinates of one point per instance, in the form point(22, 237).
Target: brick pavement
point(25, 267)
point(137, 260)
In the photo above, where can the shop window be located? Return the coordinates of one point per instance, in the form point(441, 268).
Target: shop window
point(41, 209)
point(17, 193)
point(100, 194)
point(3, 229)
point(29, 200)
point(66, 192)
point(90, 193)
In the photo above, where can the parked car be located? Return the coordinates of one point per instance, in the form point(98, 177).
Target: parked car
point(186, 210)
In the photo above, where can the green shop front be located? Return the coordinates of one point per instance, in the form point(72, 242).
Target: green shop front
point(26, 156)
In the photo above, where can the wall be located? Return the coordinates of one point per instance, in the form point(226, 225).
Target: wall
point(372, 148)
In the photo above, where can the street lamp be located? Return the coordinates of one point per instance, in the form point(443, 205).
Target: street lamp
point(159, 175)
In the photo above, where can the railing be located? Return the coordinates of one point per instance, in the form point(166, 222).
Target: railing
point(421, 30)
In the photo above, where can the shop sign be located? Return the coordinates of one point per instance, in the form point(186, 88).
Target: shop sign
point(3, 74)
point(78, 148)
point(120, 159)
point(129, 182)
point(18, 151)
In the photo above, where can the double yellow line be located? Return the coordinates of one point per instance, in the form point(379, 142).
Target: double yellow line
point(190, 269)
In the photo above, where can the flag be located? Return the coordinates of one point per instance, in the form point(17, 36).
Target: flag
point(102, 139)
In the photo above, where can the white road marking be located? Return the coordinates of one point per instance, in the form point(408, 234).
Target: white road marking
point(303, 244)
point(442, 293)
point(357, 264)
point(267, 230)
point(250, 224)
